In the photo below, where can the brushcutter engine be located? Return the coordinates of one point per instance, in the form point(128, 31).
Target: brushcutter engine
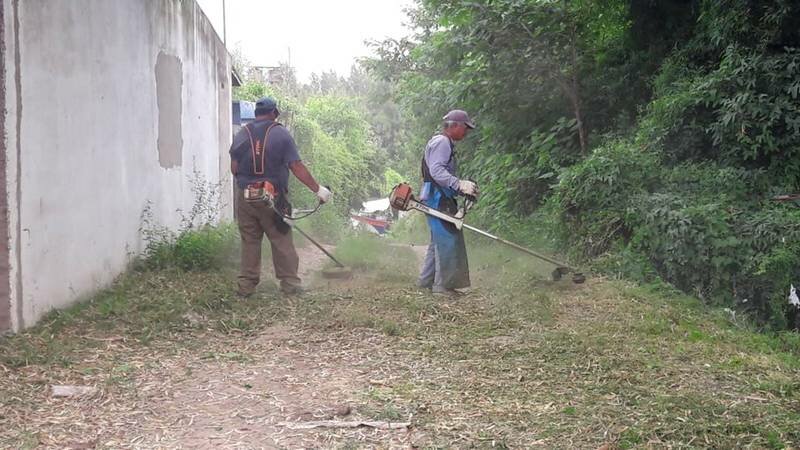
point(401, 197)
point(262, 191)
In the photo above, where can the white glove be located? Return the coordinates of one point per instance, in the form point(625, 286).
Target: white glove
point(467, 187)
point(324, 194)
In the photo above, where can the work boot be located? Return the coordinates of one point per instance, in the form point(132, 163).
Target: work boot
point(291, 289)
point(245, 288)
point(241, 295)
point(444, 292)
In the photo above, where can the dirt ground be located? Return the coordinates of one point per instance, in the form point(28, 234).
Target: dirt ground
point(285, 377)
point(240, 392)
point(518, 362)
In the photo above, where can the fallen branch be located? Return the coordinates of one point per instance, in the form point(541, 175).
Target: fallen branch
point(351, 424)
point(72, 391)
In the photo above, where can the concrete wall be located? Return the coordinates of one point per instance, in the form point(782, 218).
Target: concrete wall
point(109, 104)
point(5, 267)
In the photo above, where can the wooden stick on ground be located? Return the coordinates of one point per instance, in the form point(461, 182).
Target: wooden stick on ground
point(338, 424)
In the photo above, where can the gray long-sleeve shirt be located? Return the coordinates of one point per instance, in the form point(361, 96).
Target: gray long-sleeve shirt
point(441, 161)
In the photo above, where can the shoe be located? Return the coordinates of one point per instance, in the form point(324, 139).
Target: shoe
point(292, 289)
point(442, 292)
point(426, 287)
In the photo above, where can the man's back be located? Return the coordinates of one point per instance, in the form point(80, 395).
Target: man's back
point(279, 151)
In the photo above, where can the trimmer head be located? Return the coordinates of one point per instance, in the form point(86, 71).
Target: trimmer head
point(338, 273)
point(559, 272)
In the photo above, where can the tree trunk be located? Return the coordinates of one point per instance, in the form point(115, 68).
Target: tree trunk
point(576, 108)
point(576, 94)
point(571, 90)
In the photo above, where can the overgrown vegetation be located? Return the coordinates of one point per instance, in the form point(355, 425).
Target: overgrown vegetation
point(200, 242)
point(336, 142)
point(647, 137)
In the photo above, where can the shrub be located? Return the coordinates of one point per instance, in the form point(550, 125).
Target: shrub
point(596, 194)
point(199, 243)
point(205, 249)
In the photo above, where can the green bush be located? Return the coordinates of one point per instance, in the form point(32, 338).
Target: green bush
point(199, 243)
point(702, 226)
point(205, 249)
point(649, 135)
point(596, 194)
point(692, 244)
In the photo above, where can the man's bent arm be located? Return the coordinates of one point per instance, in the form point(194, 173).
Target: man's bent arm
point(301, 172)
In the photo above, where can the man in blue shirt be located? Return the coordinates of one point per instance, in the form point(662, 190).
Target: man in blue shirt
point(264, 151)
point(445, 268)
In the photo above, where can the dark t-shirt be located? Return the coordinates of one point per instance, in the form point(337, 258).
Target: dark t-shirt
point(280, 152)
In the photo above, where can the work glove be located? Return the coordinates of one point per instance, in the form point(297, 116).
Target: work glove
point(323, 194)
point(467, 187)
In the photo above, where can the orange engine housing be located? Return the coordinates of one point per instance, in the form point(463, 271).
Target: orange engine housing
point(262, 190)
point(401, 197)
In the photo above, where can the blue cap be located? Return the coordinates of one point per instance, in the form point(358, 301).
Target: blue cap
point(267, 103)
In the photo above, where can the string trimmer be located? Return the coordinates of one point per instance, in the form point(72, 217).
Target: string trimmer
point(402, 199)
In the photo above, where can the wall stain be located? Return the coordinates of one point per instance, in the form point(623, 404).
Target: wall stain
point(169, 98)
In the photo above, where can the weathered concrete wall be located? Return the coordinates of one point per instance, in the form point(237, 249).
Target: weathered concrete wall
point(5, 267)
point(109, 104)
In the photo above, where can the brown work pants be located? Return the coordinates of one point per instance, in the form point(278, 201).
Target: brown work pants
point(256, 219)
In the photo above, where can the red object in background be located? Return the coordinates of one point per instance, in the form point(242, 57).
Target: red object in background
point(380, 225)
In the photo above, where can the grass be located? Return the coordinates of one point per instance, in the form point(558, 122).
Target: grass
point(369, 252)
point(520, 362)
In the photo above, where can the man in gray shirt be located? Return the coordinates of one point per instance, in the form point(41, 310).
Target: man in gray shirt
point(445, 268)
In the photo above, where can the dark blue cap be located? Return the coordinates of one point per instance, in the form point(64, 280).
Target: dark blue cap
point(267, 104)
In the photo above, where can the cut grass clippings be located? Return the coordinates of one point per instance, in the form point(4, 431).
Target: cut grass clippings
point(518, 362)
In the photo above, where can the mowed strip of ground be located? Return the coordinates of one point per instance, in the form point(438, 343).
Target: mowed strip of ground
point(518, 362)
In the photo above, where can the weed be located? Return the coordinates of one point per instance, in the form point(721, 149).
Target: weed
point(411, 229)
point(629, 439)
point(200, 243)
point(369, 252)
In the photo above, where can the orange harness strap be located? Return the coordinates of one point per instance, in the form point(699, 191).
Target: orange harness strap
point(258, 149)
